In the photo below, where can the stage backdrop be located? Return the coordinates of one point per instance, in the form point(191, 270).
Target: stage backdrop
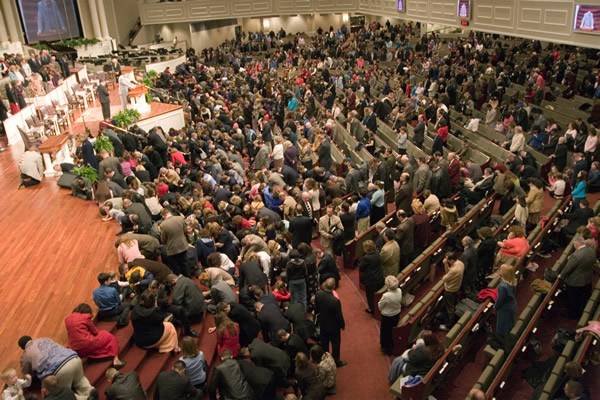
point(49, 20)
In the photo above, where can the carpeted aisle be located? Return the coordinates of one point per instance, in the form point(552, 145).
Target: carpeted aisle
point(365, 376)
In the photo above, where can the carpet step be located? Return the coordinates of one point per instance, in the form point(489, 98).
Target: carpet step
point(153, 364)
point(94, 370)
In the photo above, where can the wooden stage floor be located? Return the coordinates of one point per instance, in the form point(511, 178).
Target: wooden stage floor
point(52, 246)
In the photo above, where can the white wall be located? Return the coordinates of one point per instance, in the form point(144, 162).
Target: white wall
point(212, 37)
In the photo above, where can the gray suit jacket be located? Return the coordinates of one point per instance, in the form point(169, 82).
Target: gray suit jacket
point(421, 179)
point(579, 268)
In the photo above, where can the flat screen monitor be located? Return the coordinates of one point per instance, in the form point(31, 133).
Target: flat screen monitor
point(463, 9)
point(586, 19)
point(49, 20)
point(401, 5)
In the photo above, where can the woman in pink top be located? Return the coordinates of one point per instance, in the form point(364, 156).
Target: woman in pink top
point(128, 250)
point(177, 158)
point(515, 246)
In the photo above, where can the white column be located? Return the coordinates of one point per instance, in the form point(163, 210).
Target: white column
point(103, 20)
point(95, 19)
point(11, 21)
point(3, 31)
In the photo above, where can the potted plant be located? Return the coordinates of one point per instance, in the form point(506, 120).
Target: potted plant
point(103, 143)
point(89, 174)
point(126, 118)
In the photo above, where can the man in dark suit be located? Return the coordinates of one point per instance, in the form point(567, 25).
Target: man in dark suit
point(175, 385)
point(331, 319)
point(370, 121)
point(187, 294)
point(577, 275)
point(300, 227)
point(577, 218)
point(104, 98)
point(324, 154)
point(259, 378)
point(268, 356)
point(252, 274)
point(419, 132)
point(405, 235)
point(157, 140)
point(249, 326)
point(229, 380)
point(124, 386)
point(404, 194)
point(271, 319)
point(88, 155)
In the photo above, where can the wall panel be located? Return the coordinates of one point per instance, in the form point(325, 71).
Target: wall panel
point(536, 19)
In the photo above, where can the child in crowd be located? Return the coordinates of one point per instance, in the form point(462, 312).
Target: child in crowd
point(14, 385)
point(195, 363)
point(280, 291)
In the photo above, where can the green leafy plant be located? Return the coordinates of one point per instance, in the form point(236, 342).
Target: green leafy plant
point(76, 42)
point(86, 172)
point(103, 143)
point(126, 117)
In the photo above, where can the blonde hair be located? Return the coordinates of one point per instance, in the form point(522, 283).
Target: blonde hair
point(391, 282)
point(508, 274)
point(8, 373)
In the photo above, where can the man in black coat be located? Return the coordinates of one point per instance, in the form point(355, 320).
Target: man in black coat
point(370, 120)
point(331, 319)
point(157, 140)
point(324, 154)
point(104, 98)
point(271, 319)
point(249, 326)
point(291, 343)
point(175, 385)
point(124, 386)
point(301, 227)
point(577, 218)
point(271, 357)
point(229, 380)
point(419, 132)
point(259, 378)
point(252, 274)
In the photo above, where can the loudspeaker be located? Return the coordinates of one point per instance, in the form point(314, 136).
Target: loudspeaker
point(66, 180)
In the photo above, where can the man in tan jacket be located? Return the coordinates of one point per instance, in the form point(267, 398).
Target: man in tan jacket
point(452, 283)
point(390, 254)
point(329, 224)
point(175, 245)
point(535, 201)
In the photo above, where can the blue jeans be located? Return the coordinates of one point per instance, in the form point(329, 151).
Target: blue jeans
point(298, 291)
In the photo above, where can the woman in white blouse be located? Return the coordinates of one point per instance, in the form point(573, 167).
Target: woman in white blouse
point(518, 140)
point(389, 306)
point(277, 153)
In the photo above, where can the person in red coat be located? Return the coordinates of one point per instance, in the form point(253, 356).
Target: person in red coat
point(87, 340)
point(228, 335)
point(454, 170)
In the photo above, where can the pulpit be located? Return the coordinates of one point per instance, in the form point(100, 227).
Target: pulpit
point(137, 99)
point(55, 151)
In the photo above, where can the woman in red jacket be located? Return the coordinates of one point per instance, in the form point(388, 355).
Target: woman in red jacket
point(228, 335)
point(87, 340)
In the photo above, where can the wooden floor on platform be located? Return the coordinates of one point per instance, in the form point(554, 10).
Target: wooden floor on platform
point(52, 246)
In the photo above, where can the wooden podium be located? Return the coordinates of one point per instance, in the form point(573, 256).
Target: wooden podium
point(137, 99)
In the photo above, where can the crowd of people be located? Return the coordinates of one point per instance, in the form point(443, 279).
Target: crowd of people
point(29, 77)
point(223, 216)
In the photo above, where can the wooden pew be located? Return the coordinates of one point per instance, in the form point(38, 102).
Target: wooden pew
point(420, 269)
point(573, 350)
point(460, 333)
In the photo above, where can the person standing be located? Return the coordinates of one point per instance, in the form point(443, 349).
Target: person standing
point(104, 98)
point(390, 306)
point(296, 277)
point(172, 236)
point(44, 357)
point(506, 303)
point(330, 228)
point(371, 272)
point(331, 319)
point(124, 85)
point(452, 282)
point(577, 275)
